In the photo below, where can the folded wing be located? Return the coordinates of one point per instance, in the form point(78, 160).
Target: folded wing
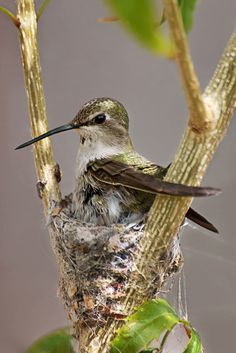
point(118, 173)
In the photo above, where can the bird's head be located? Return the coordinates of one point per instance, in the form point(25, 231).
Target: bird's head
point(101, 123)
point(104, 120)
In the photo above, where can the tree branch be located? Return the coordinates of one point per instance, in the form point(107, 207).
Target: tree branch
point(190, 164)
point(188, 167)
point(200, 117)
point(43, 156)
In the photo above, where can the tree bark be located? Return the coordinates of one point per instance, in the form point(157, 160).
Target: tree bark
point(44, 163)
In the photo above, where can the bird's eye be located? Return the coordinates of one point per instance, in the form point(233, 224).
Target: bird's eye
point(100, 118)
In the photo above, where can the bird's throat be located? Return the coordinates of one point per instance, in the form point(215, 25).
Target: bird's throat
point(90, 151)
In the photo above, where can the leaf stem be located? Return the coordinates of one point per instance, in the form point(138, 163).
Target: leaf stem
point(9, 14)
point(42, 8)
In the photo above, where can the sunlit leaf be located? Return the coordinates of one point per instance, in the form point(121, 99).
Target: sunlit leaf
point(140, 18)
point(58, 341)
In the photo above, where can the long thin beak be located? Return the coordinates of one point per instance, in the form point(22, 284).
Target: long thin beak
point(57, 130)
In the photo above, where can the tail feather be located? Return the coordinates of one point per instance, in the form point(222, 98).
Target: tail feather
point(200, 220)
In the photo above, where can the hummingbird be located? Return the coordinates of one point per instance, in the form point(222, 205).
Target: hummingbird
point(114, 183)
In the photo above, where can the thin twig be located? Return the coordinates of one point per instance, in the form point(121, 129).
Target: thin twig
point(42, 8)
point(200, 116)
point(9, 14)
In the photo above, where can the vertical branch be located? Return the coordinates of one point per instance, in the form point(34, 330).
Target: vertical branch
point(43, 156)
point(200, 118)
point(194, 153)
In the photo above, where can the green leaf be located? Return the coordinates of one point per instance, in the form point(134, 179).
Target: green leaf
point(140, 18)
point(194, 344)
point(187, 8)
point(150, 321)
point(58, 341)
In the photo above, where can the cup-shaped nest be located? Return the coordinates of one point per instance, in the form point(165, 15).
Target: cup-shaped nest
point(97, 265)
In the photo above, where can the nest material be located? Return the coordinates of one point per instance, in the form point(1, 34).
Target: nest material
point(95, 265)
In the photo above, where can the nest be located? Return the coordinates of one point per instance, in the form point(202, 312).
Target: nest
point(96, 264)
